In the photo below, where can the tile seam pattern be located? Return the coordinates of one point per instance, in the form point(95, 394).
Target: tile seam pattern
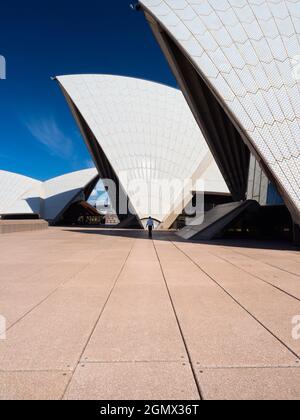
point(270, 265)
point(197, 383)
point(255, 276)
point(63, 283)
point(238, 303)
point(99, 317)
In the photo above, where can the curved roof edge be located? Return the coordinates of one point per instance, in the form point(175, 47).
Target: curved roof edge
point(12, 188)
point(250, 100)
point(23, 195)
point(119, 76)
point(139, 127)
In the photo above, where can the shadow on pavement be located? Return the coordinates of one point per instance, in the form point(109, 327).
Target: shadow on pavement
point(168, 236)
point(127, 233)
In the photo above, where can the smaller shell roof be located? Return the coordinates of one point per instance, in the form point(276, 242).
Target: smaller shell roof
point(148, 134)
point(22, 195)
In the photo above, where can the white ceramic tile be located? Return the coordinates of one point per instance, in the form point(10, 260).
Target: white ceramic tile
point(145, 129)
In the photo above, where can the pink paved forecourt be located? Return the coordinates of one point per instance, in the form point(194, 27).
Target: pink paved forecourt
point(109, 315)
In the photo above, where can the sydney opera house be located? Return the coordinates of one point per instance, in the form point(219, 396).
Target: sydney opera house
point(234, 126)
point(26, 198)
point(205, 307)
point(142, 136)
point(239, 134)
point(144, 141)
point(235, 63)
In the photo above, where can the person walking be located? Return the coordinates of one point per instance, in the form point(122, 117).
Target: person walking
point(150, 226)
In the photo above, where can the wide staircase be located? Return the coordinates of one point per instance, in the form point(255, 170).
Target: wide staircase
point(216, 221)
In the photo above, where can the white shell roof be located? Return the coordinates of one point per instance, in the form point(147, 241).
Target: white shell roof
point(249, 50)
point(12, 188)
point(21, 195)
point(60, 192)
point(146, 131)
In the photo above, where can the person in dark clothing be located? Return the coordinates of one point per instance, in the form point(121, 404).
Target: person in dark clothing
point(150, 226)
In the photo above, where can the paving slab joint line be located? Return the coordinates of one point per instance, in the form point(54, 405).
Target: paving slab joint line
point(267, 263)
point(99, 317)
point(112, 362)
point(238, 303)
point(255, 275)
point(63, 283)
point(246, 367)
point(197, 383)
point(36, 370)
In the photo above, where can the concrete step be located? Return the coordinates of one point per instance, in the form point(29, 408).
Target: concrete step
point(12, 226)
point(216, 220)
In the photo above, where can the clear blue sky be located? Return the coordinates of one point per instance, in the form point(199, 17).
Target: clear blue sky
point(40, 39)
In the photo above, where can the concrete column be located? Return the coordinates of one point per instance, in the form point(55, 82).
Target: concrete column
point(296, 234)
